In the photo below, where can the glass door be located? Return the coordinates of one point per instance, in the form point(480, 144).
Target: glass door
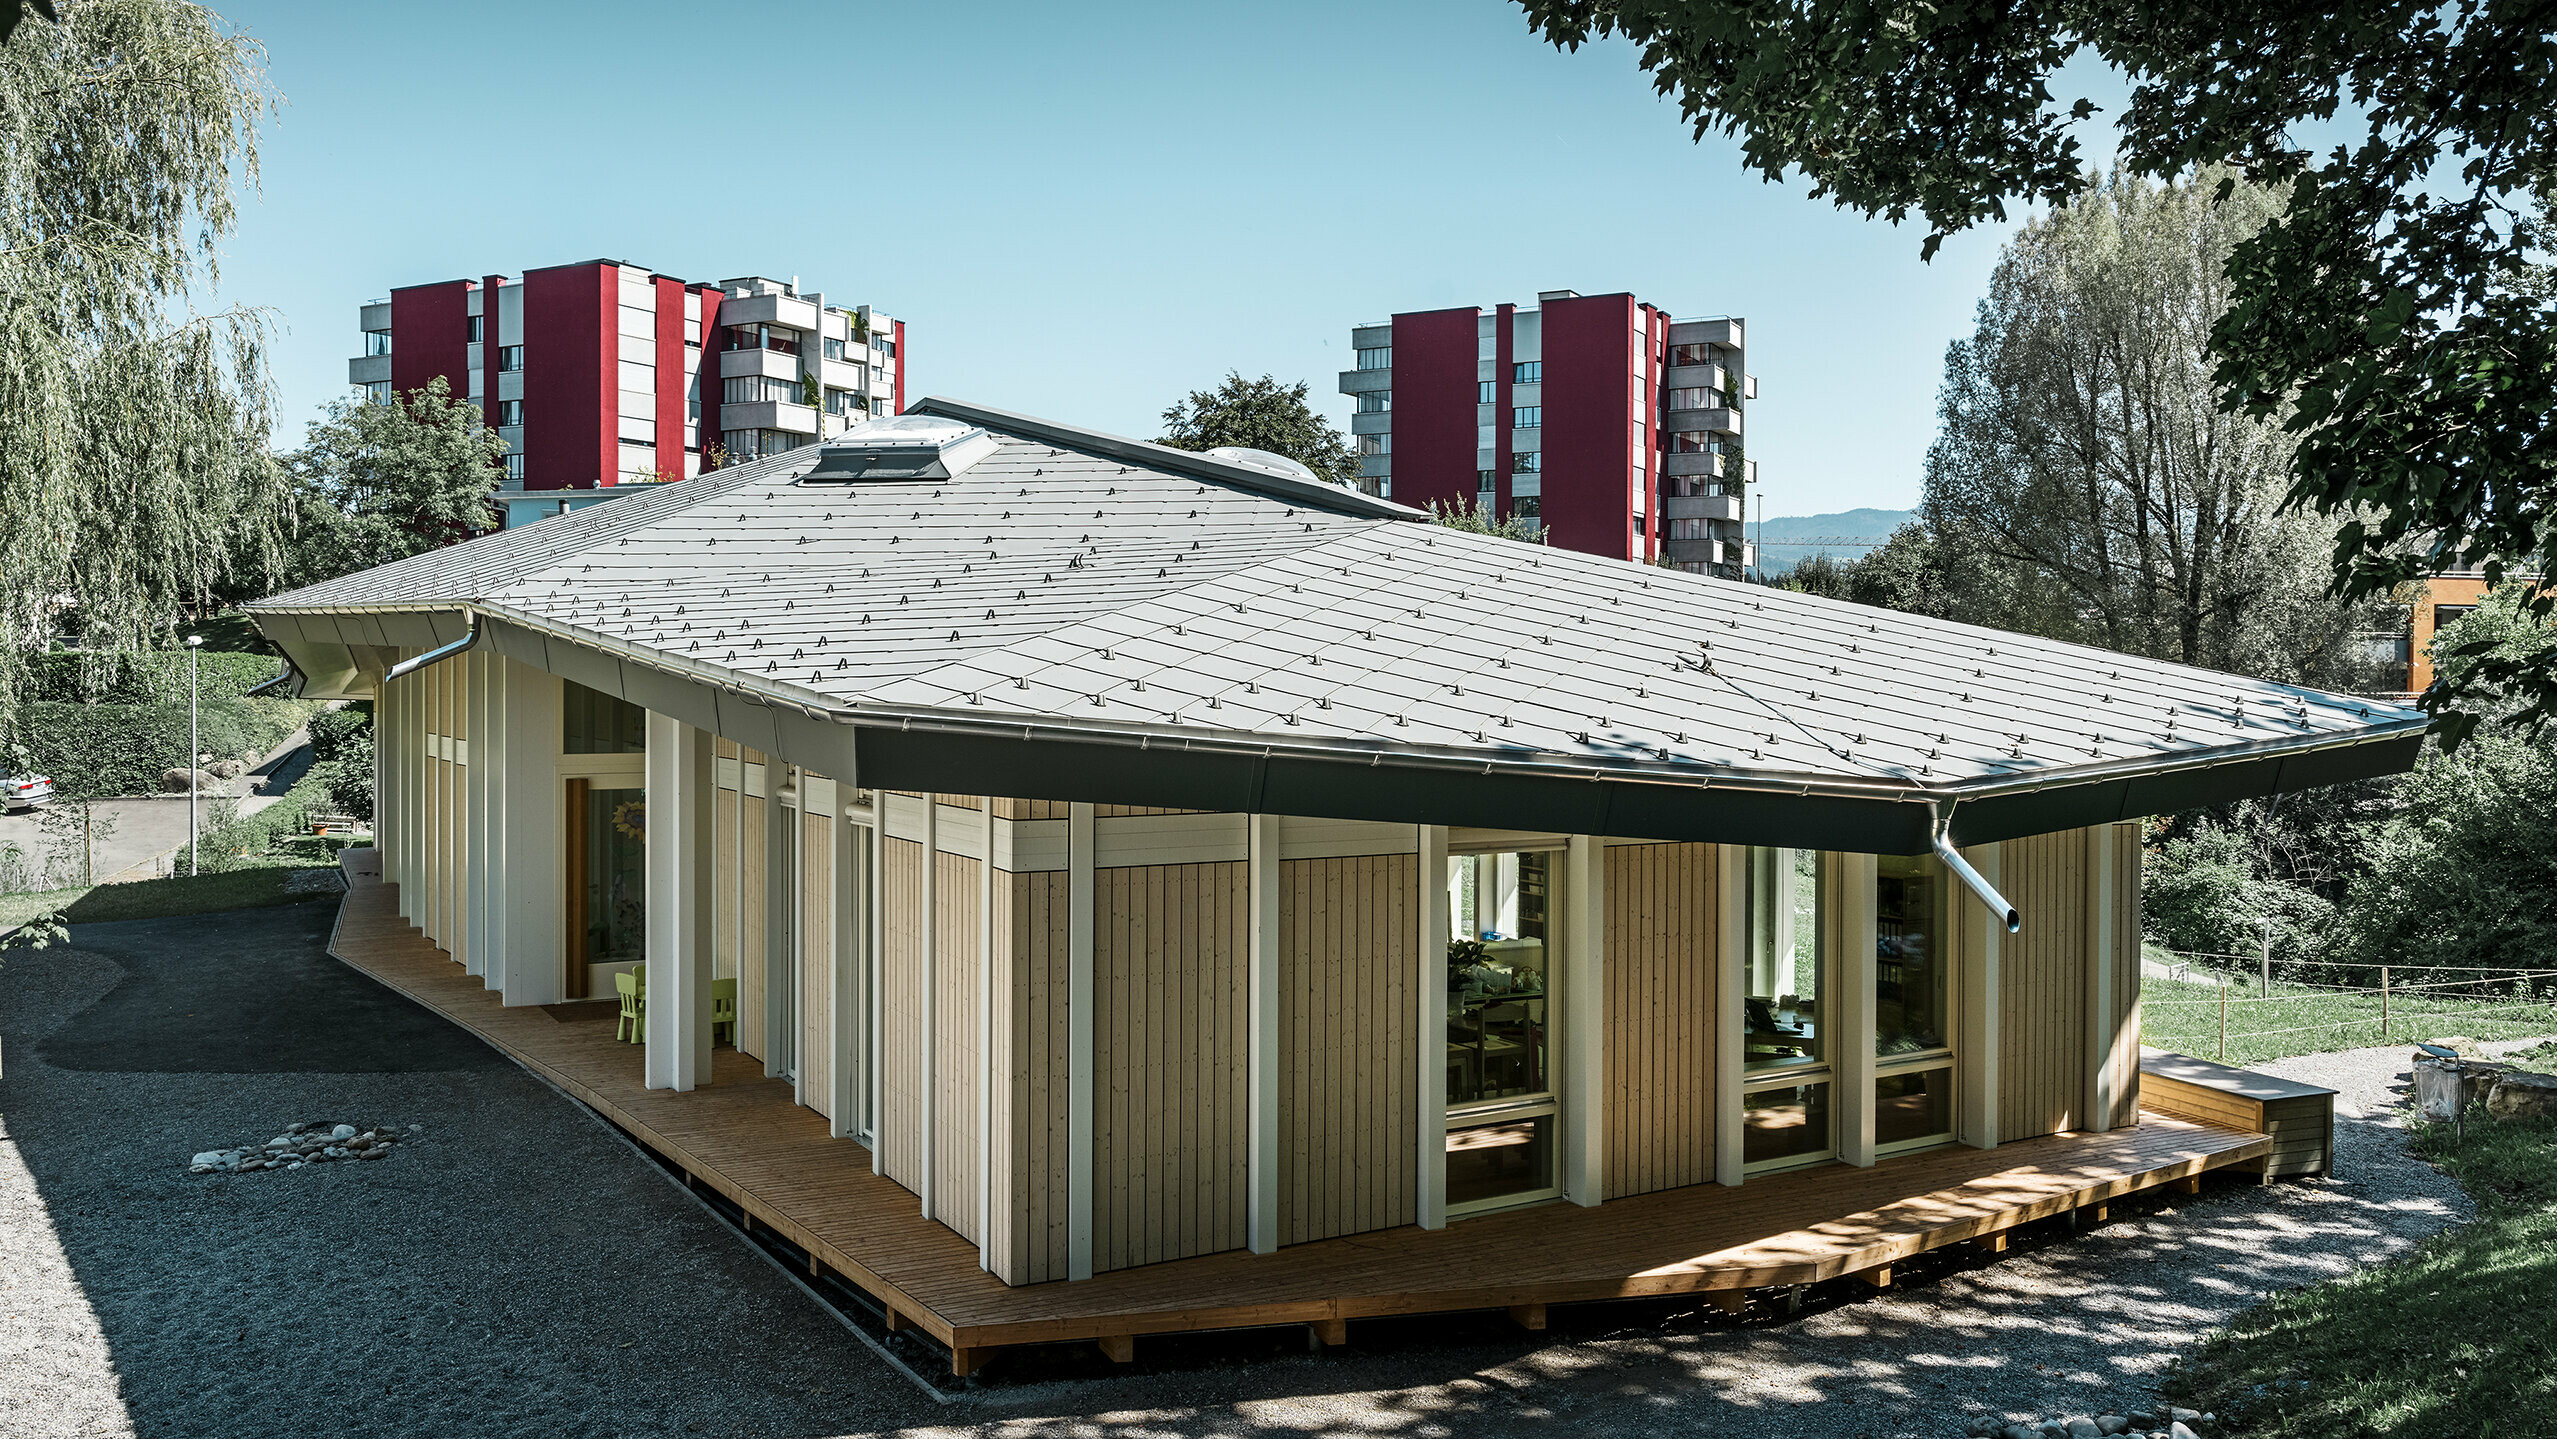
point(607, 880)
point(1501, 1114)
point(1787, 1079)
point(1912, 985)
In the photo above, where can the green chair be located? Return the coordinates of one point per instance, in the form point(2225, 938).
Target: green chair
point(632, 1026)
point(723, 1010)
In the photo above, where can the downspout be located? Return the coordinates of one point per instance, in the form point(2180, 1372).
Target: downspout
point(1971, 878)
point(291, 671)
point(469, 638)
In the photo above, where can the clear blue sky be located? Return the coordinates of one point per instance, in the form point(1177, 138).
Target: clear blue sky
point(1082, 212)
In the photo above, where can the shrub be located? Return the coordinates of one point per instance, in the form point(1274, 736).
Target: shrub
point(94, 750)
point(155, 677)
point(333, 730)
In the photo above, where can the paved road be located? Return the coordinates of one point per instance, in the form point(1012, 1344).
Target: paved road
point(521, 1270)
point(145, 830)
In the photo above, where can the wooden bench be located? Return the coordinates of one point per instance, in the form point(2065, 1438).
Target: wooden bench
point(2299, 1117)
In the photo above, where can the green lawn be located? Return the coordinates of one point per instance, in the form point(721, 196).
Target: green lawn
point(251, 884)
point(2457, 1338)
point(2184, 1016)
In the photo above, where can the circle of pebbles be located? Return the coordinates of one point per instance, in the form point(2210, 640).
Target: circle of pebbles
point(316, 1141)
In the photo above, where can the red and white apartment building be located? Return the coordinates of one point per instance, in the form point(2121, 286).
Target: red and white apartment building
point(594, 372)
point(1600, 417)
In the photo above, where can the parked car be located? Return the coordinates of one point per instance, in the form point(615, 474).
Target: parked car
point(25, 791)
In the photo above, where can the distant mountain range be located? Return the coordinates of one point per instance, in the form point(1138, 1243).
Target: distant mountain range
point(1787, 540)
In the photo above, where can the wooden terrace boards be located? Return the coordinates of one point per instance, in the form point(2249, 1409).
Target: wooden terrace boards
point(742, 1136)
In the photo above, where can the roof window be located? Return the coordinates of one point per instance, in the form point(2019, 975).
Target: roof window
point(903, 447)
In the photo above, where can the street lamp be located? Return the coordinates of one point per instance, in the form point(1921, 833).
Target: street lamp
point(194, 751)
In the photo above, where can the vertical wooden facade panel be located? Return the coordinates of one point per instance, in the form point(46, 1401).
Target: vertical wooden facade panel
point(1662, 909)
point(1347, 935)
point(2044, 971)
point(960, 1068)
point(816, 960)
point(1169, 957)
point(901, 1050)
point(1028, 1186)
point(2127, 919)
point(751, 960)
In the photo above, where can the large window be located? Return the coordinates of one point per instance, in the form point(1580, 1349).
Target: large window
point(1696, 354)
point(1694, 397)
point(1376, 444)
point(1526, 462)
point(1501, 1111)
point(1487, 392)
point(779, 339)
point(1912, 989)
point(510, 357)
point(377, 342)
point(471, 329)
point(1379, 358)
point(592, 722)
point(1527, 417)
point(377, 392)
point(1786, 1094)
point(751, 389)
point(1375, 402)
point(1527, 372)
point(1686, 442)
point(510, 412)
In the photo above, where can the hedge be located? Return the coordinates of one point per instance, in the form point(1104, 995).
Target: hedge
point(155, 677)
point(93, 751)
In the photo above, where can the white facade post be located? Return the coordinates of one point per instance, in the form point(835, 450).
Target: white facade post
point(1584, 1005)
point(1431, 1086)
point(411, 754)
point(681, 784)
point(845, 1017)
point(1261, 1051)
point(987, 1075)
point(2102, 1089)
point(781, 1021)
point(532, 920)
point(876, 919)
point(1851, 1052)
point(1733, 958)
point(1080, 919)
point(485, 870)
point(928, 1181)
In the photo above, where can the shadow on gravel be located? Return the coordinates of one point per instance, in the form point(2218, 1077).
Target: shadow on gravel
point(250, 992)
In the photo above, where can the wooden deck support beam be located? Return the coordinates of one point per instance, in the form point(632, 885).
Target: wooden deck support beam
point(1878, 1276)
point(1118, 1348)
point(1332, 1333)
point(2189, 1184)
point(1729, 1301)
point(968, 1359)
point(896, 1322)
point(1528, 1316)
point(1991, 1243)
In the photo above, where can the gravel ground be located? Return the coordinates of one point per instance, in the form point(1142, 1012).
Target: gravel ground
point(520, 1270)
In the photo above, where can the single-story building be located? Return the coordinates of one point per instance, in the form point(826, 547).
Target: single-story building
point(1127, 858)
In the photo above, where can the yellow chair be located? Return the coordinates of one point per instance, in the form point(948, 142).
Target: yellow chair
point(723, 1010)
point(632, 1026)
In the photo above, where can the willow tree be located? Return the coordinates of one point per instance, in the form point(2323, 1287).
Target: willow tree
point(134, 474)
point(2084, 458)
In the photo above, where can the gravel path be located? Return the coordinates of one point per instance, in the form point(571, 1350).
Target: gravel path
point(520, 1270)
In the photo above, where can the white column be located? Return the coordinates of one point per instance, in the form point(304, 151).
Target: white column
point(412, 790)
point(2102, 1087)
point(1261, 1050)
point(928, 1150)
point(1431, 1020)
point(875, 919)
point(1853, 971)
point(1080, 905)
point(1733, 958)
point(781, 1021)
point(681, 783)
point(1584, 1013)
point(531, 918)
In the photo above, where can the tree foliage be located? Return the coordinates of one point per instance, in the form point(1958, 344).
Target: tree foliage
point(1477, 518)
point(134, 474)
point(376, 483)
point(2391, 317)
point(1262, 414)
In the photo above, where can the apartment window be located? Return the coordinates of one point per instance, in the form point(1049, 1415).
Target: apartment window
point(515, 467)
point(1487, 393)
point(759, 389)
point(1689, 530)
point(377, 392)
point(1375, 402)
point(834, 348)
point(1527, 462)
point(844, 402)
point(510, 412)
point(1694, 397)
point(1376, 444)
point(470, 329)
point(510, 357)
point(1527, 372)
point(1527, 417)
point(1686, 442)
point(1483, 481)
point(1526, 507)
point(740, 444)
point(377, 342)
point(885, 347)
point(1696, 354)
point(1379, 358)
point(779, 339)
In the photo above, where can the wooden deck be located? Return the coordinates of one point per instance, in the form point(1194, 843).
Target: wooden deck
point(744, 1138)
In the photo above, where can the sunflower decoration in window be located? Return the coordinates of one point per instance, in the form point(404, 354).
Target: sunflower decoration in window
point(630, 817)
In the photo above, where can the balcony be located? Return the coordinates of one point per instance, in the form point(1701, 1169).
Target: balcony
point(769, 415)
point(368, 369)
point(1693, 462)
point(733, 363)
point(1718, 421)
point(1701, 507)
point(1724, 332)
point(788, 310)
point(1359, 382)
point(1683, 377)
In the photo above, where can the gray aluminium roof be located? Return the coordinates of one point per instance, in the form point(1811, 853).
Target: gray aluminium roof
point(1074, 587)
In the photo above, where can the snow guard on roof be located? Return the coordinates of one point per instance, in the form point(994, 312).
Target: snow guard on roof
point(906, 447)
